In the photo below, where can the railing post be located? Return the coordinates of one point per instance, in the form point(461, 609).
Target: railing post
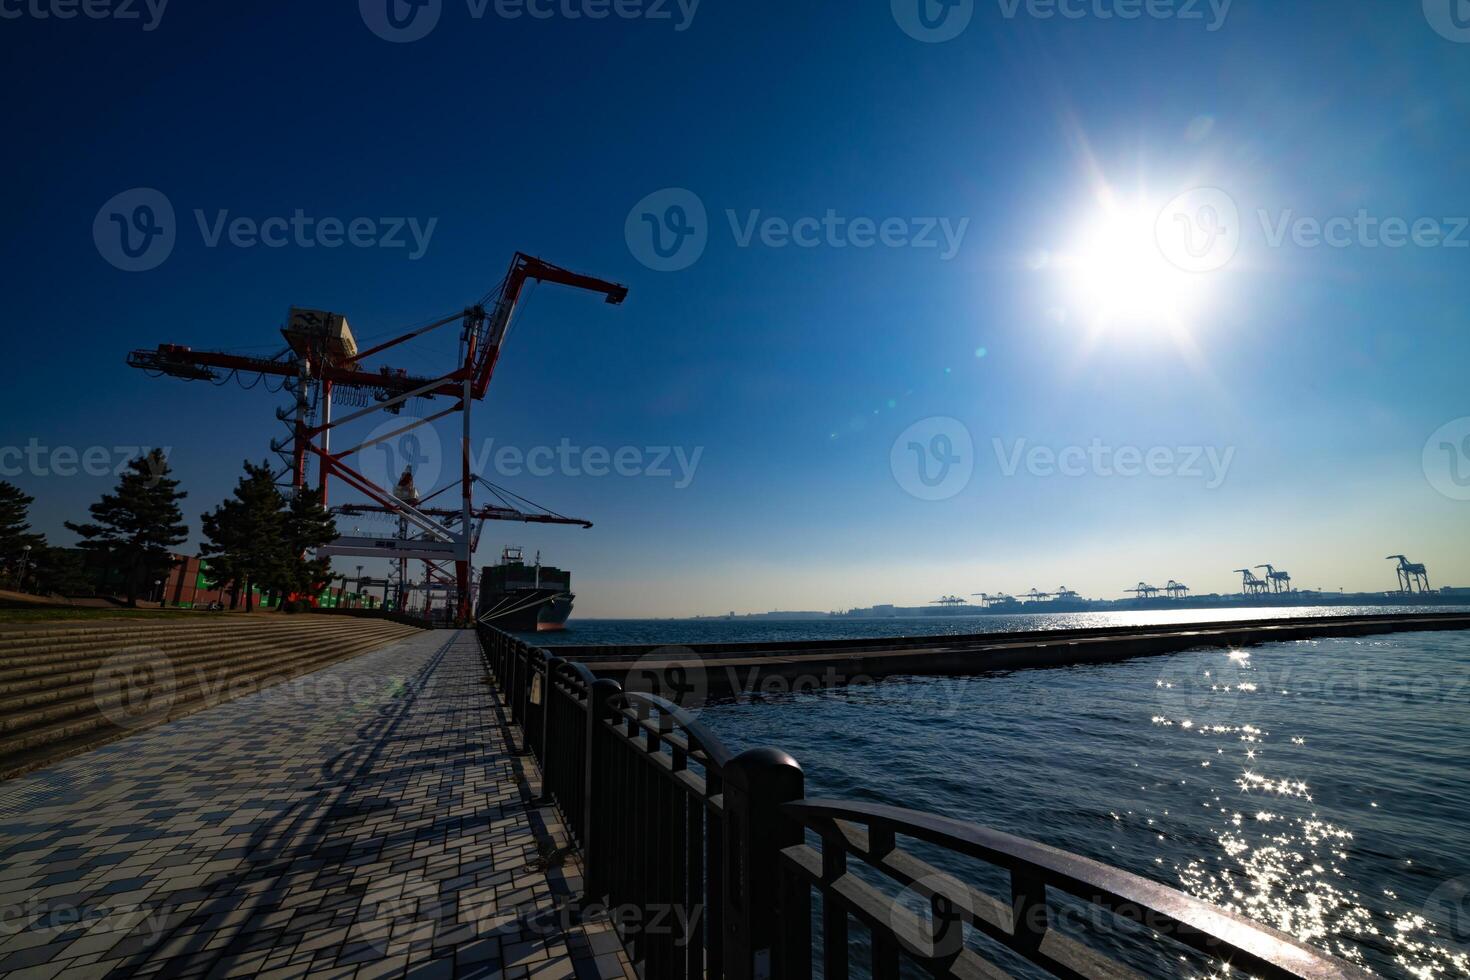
point(596, 819)
point(767, 922)
point(1028, 910)
point(523, 688)
point(549, 665)
point(512, 687)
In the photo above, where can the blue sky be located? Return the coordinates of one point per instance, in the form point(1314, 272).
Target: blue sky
point(1321, 372)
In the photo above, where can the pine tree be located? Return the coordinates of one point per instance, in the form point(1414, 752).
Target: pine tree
point(61, 571)
point(257, 539)
point(308, 527)
point(218, 564)
point(137, 526)
point(15, 530)
point(244, 538)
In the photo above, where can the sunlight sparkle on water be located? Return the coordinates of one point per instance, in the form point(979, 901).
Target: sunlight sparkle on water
point(1283, 864)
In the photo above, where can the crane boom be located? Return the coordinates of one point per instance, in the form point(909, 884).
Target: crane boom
point(491, 329)
point(179, 361)
point(486, 330)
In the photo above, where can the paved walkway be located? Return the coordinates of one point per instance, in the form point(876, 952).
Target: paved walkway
point(366, 820)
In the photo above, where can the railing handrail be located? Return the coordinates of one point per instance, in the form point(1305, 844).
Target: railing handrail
point(581, 670)
point(715, 750)
point(1090, 880)
point(752, 815)
point(571, 673)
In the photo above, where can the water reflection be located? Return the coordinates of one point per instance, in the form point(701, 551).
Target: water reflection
point(776, 629)
point(1277, 859)
point(1319, 787)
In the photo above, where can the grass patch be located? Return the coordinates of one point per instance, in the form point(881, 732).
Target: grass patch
point(52, 614)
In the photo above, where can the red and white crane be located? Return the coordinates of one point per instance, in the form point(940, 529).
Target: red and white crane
point(321, 362)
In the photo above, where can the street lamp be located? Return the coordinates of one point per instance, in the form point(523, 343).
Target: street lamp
point(25, 560)
point(158, 591)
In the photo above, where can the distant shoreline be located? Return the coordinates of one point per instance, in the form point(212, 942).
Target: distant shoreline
point(1302, 600)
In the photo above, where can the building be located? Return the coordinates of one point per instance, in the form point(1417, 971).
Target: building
point(187, 588)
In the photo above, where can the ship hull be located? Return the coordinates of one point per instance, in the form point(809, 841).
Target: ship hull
point(527, 610)
point(553, 616)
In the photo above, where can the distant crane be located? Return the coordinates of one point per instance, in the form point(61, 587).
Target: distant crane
point(1176, 590)
point(1036, 596)
point(1144, 591)
point(998, 599)
point(949, 600)
point(1063, 593)
point(1250, 583)
point(1276, 582)
point(1410, 574)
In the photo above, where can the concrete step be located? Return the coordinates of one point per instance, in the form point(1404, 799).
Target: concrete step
point(215, 620)
point(214, 665)
point(36, 727)
point(26, 749)
point(28, 642)
point(17, 665)
point(44, 688)
point(21, 681)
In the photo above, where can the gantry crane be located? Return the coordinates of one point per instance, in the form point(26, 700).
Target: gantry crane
point(1250, 583)
point(321, 363)
point(1276, 582)
point(1410, 574)
point(1144, 591)
point(1176, 590)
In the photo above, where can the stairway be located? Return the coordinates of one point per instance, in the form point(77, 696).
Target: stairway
point(69, 687)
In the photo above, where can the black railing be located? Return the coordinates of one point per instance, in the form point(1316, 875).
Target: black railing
point(566, 741)
point(658, 823)
point(709, 863)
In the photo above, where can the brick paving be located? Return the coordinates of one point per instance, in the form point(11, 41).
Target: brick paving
point(370, 819)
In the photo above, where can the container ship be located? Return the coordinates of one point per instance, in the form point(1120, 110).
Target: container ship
point(523, 598)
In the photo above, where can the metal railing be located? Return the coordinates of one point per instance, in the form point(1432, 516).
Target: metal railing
point(716, 865)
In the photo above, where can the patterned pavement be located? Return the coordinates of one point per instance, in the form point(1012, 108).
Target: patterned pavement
point(367, 820)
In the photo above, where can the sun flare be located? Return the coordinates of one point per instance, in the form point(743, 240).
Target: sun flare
point(1116, 274)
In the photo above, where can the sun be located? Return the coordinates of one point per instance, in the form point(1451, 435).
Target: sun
point(1114, 273)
